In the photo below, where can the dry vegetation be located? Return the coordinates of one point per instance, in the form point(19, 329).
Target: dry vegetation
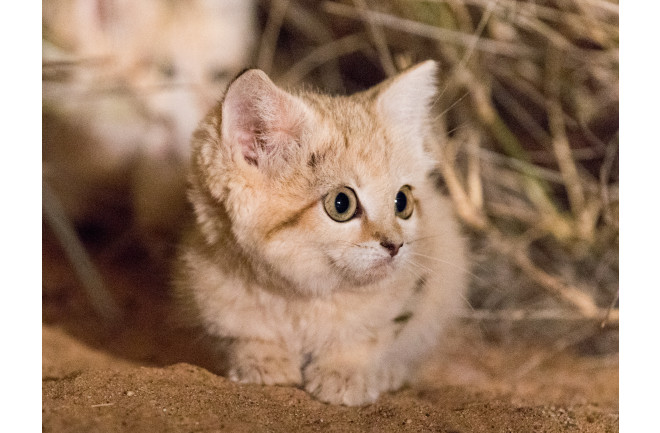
point(526, 130)
point(526, 133)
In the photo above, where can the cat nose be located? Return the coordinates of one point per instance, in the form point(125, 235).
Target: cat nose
point(392, 248)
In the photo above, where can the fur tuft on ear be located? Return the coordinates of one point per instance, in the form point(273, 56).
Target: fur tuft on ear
point(405, 100)
point(260, 120)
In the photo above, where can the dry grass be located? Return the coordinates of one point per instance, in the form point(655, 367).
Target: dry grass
point(526, 129)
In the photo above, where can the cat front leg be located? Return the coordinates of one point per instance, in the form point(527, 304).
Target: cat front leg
point(262, 362)
point(351, 378)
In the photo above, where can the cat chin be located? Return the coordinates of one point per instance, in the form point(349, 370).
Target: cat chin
point(339, 279)
point(375, 273)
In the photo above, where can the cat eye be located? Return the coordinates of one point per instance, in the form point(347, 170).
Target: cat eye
point(341, 204)
point(404, 203)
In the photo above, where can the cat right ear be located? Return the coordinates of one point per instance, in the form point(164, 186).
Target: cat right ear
point(261, 121)
point(406, 99)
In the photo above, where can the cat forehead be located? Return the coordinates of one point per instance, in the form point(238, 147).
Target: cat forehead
point(353, 137)
point(349, 113)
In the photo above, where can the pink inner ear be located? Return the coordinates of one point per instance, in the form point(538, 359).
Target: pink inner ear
point(247, 142)
point(260, 118)
point(249, 127)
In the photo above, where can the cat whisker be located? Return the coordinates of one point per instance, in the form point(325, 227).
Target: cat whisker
point(417, 265)
point(412, 271)
point(467, 302)
point(467, 271)
point(424, 238)
point(409, 264)
point(457, 127)
point(439, 116)
point(430, 271)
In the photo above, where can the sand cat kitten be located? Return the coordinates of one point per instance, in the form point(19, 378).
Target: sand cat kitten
point(322, 256)
point(133, 78)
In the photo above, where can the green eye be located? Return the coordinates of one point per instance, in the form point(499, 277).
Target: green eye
point(341, 204)
point(404, 203)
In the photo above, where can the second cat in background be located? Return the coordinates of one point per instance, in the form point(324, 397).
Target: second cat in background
point(125, 85)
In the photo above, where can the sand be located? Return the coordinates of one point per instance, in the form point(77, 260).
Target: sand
point(143, 374)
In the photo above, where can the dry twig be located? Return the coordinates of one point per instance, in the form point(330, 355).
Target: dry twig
point(378, 37)
point(77, 255)
point(271, 33)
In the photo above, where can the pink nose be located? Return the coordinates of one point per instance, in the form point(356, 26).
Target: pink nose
point(391, 248)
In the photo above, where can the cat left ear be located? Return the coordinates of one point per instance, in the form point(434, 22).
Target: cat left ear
point(406, 100)
point(260, 120)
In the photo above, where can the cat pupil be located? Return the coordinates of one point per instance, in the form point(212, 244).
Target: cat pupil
point(342, 203)
point(400, 201)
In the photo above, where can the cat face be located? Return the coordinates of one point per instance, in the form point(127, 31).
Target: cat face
point(180, 71)
point(145, 72)
point(326, 193)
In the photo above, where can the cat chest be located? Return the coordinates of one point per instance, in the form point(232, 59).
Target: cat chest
point(316, 322)
point(359, 319)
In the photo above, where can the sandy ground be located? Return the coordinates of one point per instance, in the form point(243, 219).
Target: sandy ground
point(143, 374)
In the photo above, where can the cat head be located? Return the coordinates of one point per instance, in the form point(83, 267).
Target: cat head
point(320, 193)
point(189, 58)
point(145, 71)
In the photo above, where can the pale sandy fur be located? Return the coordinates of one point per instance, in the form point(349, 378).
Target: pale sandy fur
point(134, 79)
point(300, 299)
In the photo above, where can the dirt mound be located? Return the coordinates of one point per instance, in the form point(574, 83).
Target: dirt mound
point(144, 375)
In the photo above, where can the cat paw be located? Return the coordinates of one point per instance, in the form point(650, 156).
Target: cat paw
point(263, 364)
point(337, 385)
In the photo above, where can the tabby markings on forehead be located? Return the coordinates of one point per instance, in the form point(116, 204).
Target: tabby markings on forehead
point(316, 158)
point(292, 220)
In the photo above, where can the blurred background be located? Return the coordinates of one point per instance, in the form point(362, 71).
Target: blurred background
point(526, 132)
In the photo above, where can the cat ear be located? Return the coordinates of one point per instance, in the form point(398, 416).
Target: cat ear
point(405, 101)
point(260, 120)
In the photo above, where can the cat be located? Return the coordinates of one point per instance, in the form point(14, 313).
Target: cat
point(125, 84)
point(321, 255)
